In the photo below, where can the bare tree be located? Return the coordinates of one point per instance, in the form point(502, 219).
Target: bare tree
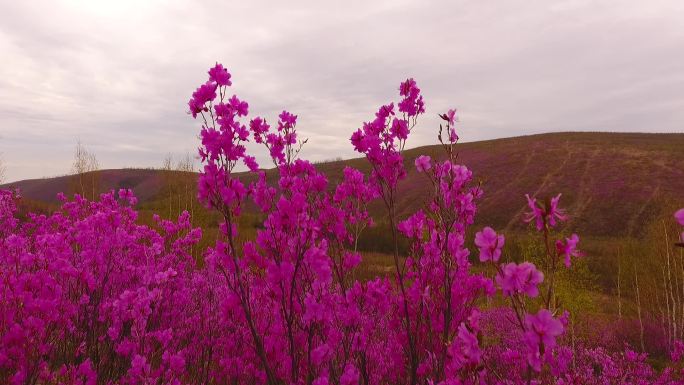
point(180, 182)
point(641, 322)
point(186, 163)
point(619, 293)
point(85, 168)
point(186, 166)
point(167, 175)
point(167, 164)
point(655, 267)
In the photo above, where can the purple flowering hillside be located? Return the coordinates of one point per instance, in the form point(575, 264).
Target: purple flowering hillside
point(609, 175)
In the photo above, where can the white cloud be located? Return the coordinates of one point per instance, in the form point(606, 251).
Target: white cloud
point(117, 74)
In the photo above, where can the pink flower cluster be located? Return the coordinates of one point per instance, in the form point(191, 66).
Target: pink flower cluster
point(568, 248)
point(490, 244)
point(544, 215)
point(88, 295)
point(540, 335)
point(520, 279)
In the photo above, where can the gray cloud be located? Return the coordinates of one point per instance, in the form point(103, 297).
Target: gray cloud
point(117, 75)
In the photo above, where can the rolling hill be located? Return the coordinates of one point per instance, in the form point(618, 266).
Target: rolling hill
point(612, 183)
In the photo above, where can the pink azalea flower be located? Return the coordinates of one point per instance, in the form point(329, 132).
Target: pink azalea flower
point(251, 163)
point(554, 213)
point(453, 137)
point(469, 345)
point(541, 332)
point(542, 328)
point(490, 244)
point(239, 107)
point(413, 225)
point(451, 116)
point(423, 163)
point(350, 375)
point(220, 75)
point(314, 311)
point(544, 215)
point(287, 120)
point(400, 129)
point(200, 97)
point(537, 214)
point(569, 248)
point(520, 279)
point(679, 216)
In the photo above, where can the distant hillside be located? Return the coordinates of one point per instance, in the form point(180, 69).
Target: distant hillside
point(612, 183)
point(145, 182)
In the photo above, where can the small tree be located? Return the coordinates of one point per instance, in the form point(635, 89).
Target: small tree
point(186, 169)
point(179, 180)
point(84, 168)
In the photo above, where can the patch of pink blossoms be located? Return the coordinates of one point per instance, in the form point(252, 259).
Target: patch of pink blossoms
point(490, 244)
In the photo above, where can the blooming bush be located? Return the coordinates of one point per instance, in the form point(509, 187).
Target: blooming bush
point(91, 296)
point(88, 294)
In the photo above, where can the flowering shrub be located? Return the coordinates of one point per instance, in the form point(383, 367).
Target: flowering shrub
point(91, 296)
point(87, 294)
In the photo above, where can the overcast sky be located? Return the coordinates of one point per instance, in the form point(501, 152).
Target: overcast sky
point(117, 74)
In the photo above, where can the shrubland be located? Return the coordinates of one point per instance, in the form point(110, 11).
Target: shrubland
point(94, 294)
